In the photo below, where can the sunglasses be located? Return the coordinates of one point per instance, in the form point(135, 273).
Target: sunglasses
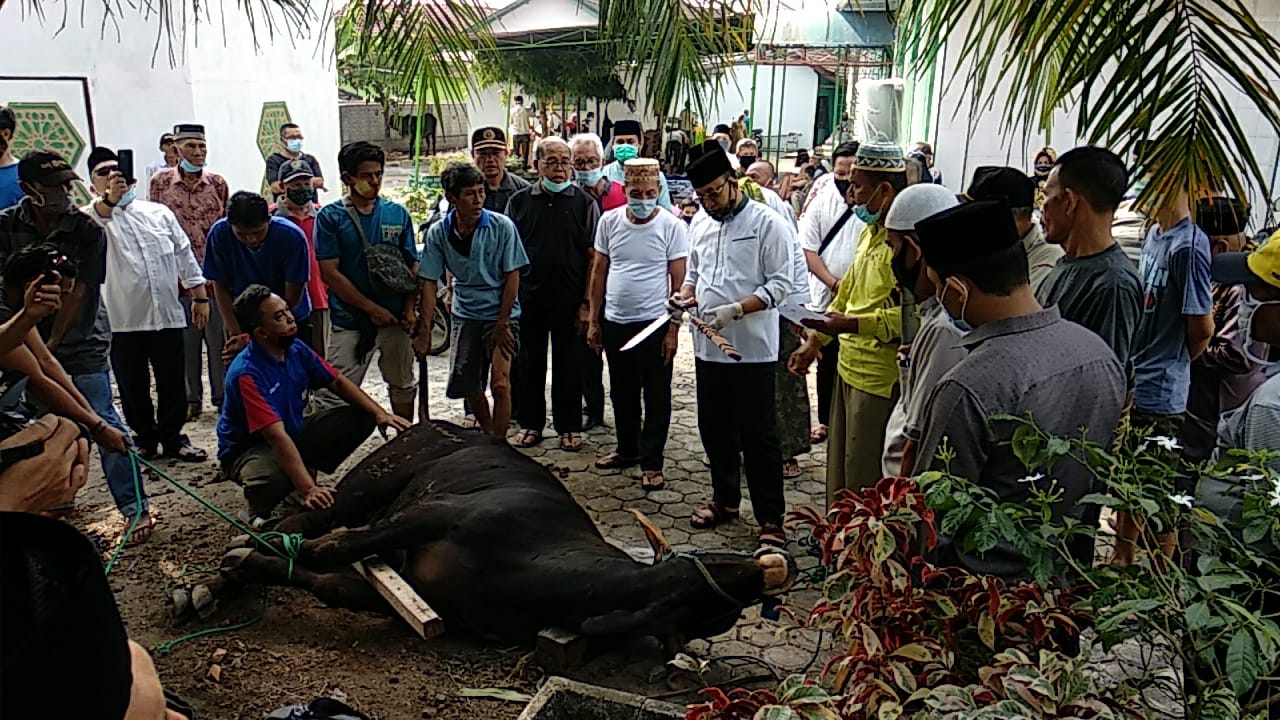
point(105, 170)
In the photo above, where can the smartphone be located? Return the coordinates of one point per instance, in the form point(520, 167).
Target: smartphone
point(125, 158)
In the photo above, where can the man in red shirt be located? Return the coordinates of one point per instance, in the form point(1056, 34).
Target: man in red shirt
point(296, 206)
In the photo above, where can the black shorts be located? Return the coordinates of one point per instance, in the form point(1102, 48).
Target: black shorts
point(472, 344)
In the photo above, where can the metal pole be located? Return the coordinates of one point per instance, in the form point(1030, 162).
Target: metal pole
point(782, 105)
point(773, 78)
point(755, 67)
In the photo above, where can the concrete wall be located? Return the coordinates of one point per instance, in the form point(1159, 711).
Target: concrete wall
point(222, 86)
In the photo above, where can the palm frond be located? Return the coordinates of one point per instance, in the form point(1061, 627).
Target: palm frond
point(1176, 73)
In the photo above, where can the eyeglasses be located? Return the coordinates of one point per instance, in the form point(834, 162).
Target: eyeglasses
point(591, 164)
point(702, 198)
point(555, 162)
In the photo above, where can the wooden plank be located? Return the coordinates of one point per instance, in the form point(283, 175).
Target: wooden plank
point(403, 598)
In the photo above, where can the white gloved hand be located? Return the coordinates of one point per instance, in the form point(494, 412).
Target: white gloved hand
point(676, 308)
point(722, 316)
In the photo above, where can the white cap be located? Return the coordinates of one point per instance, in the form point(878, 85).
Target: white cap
point(916, 203)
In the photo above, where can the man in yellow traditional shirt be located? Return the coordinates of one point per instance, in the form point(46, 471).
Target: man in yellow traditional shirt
point(866, 315)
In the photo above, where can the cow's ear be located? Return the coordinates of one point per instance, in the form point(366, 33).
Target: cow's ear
point(661, 548)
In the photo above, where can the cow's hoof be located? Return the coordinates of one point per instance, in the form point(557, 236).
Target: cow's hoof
point(240, 541)
point(203, 602)
point(232, 561)
point(182, 609)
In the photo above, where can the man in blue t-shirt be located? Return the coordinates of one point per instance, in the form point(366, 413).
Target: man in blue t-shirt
point(363, 319)
point(264, 442)
point(482, 251)
point(10, 192)
point(251, 247)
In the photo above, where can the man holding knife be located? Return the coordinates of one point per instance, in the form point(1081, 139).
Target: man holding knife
point(639, 260)
point(740, 269)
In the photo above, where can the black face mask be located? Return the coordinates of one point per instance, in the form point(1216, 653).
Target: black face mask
point(905, 276)
point(687, 219)
point(843, 187)
point(747, 161)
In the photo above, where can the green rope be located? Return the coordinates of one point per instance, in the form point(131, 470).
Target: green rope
point(167, 647)
point(137, 512)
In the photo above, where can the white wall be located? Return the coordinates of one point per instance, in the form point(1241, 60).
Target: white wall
point(222, 87)
point(793, 111)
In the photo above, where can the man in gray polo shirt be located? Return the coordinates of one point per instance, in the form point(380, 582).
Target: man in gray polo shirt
point(1023, 360)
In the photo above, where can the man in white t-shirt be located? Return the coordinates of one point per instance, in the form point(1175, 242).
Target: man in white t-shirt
point(521, 125)
point(639, 263)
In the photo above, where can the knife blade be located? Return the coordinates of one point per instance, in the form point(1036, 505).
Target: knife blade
point(648, 330)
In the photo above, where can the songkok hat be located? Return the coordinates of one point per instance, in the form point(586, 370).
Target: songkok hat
point(706, 163)
point(966, 233)
point(917, 203)
point(488, 138)
point(188, 132)
point(879, 157)
point(100, 155)
point(1221, 216)
point(641, 170)
point(1009, 184)
point(628, 127)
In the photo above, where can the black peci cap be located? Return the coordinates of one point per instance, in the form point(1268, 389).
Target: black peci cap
point(966, 233)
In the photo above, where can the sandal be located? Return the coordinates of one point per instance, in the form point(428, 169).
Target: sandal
point(614, 461)
point(193, 411)
point(791, 469)
point(570, 442)
point(527, 439)
point(470, 423)
point(818, 435)
point(142, 533)
point(711, 515)
point(652, 480)
point(772, 536)
point(185, 451)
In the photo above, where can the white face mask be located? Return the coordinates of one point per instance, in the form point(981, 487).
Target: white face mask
point(1248, 308)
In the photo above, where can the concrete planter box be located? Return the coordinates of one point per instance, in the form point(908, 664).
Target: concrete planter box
point(562, 699)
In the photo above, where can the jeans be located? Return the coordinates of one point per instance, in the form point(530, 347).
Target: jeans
point(117, 467)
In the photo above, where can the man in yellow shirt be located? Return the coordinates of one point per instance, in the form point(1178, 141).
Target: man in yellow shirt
point(866, 315)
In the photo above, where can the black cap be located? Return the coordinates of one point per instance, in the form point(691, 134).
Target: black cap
point(706, 163)
point(1221, 216)
point(628, 127)
point(721, 128)
point(100, 155)
point(966, 232)
point(295, 170)
point(1009, 184)
point(488, 138)
point(45, 167)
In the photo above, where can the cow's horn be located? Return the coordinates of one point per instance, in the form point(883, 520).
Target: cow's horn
point(661, 548)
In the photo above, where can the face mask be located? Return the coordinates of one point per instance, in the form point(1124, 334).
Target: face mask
point(843, 187)
point(687, 219)
point(295, 146)
point(129, 196)
point(1248, 308)
point(363, 189)
point(54, 202)
point(746, 161)
point(188, 167)
point(554, 187)
point(905, 276)
point(641, 208)
point(724, 145)
point(589, 178)
point(959, 323)
point(298, 195)
point(623, 153)
point(1043, 169)
point(1139, 185)
point(865, 215)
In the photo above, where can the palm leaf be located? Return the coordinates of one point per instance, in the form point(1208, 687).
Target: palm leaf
point(1175, 72)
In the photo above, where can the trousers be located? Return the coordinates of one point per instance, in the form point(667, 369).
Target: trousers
point(197, 344)
point(855, 442)
point(116, 467)
point(638, 373)
point(134, 357)
point(737, 420)
point(537, 326)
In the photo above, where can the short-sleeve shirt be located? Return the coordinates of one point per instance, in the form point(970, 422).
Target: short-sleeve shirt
point(1174, 268)
point(87, 345)
point(262, 391)
point(558, 230)
point(478, 275)
point(638, 283)
point(197, 207)
point(1101, 292)
point(10, 192)
point(336, 238)
point(316, 289)
point(281, 258)
point(278, 159)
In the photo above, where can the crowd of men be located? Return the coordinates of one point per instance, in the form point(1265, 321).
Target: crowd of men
point(927, 314)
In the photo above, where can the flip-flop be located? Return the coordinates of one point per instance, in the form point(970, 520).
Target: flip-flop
point(527, 439)
point(470, 423)
point(143, 532)
point(818, 435)
point(791, 469)
point(571, 442)
point(614, 461)
point(652, 480)
point(772, 536)
point(711, 515)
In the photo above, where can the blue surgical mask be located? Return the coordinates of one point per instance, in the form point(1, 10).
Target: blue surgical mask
point(958, 322)
point(864, 215)
point(642, 208)
point(554, 187)
point(188, 167)
point(623, 153)
point(589, 178)
point(295, 146)
point(129, 196)
point(1139, 185)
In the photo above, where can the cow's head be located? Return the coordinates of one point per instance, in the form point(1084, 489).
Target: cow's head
point(699, 594)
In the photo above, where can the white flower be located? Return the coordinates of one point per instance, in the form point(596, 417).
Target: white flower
point(1032, 478)
point(1253, 477)
point(1275, 497)
point(1165, 442)
point(1183, 500)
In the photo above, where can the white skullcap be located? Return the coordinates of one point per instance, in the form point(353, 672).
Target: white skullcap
point(916, 203)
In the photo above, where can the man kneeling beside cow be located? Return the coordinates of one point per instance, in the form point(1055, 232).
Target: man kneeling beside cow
point(488, 537)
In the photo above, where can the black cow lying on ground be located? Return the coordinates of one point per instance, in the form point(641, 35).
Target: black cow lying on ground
point(497, 546)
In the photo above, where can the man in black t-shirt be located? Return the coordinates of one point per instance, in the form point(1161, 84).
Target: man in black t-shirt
point(557, 223)
point(291, 149)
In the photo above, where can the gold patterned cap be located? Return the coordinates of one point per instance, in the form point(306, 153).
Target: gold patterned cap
point(641, 170)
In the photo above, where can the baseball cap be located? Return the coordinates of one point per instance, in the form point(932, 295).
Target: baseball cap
point(45, 167)
point(917, 203)
point(488, 138)
point(295, 170)
point(1241, 268)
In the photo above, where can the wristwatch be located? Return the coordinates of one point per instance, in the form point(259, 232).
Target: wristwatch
point(201, 301)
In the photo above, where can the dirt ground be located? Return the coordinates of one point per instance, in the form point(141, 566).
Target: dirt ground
point(301, 649)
